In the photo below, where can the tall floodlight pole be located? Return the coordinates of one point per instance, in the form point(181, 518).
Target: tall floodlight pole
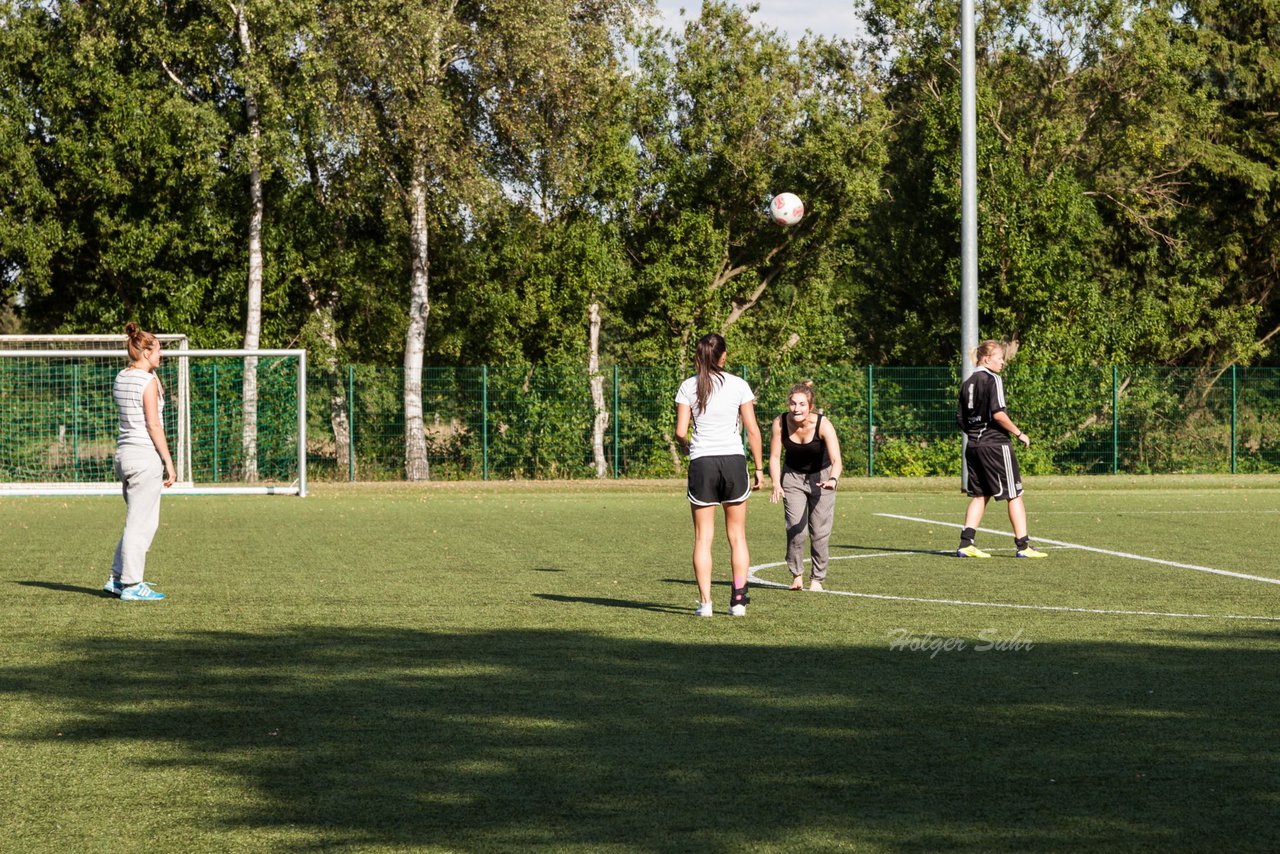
point(968, 203)
point(968, 193)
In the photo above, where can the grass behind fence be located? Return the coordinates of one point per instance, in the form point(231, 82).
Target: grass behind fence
point(514, 667)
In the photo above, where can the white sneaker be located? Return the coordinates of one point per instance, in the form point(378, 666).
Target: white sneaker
point(704, 610)
point(738, 610)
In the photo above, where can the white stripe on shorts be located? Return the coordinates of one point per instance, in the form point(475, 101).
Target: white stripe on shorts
point(1007, 450)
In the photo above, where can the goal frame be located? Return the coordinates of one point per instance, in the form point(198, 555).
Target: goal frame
point(182, 487)
point(182, 438)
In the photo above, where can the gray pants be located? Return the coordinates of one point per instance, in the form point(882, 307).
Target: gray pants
point(141, 472)
point(808, 509)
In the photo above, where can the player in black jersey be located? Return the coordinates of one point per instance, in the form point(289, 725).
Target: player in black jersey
point(989, 459)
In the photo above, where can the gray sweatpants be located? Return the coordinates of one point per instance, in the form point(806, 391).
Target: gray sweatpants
point(141, 472)
point(809, 509)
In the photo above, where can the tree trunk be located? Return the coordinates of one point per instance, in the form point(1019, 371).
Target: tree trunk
point(415, 440)
point(339, 418)
point(253, 318)
point(601, 422)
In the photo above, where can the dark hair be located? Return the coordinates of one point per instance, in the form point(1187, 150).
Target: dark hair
point(706, 357)
point(804, 387)
point(139, 340)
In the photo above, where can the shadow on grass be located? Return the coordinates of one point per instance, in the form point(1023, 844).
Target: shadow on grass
point(877, 549)
point(614, 603)
point(67, 588)
point(518, 739)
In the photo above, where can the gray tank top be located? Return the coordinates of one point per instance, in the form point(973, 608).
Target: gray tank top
point(127, 391)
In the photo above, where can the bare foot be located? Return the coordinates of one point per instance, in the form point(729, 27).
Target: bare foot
point(797, 583)
point(815, 586)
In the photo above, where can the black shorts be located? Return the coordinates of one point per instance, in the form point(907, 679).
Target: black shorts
point(993, 471)
point(718, 480)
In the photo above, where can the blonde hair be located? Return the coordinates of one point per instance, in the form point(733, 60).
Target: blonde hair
point(139, 341)
point(987, 348)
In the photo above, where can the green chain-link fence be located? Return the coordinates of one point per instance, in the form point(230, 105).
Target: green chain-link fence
point(522, 421)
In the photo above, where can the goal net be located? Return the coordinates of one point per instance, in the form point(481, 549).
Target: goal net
point(58, 421)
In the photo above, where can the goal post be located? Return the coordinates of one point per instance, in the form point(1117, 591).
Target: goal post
point(59, 425)
point(179, 432)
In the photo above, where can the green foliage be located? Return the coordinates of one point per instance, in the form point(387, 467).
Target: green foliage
point(727, 115)
point(1127, 175)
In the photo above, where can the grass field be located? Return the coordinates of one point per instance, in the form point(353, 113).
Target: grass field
point(507, 667)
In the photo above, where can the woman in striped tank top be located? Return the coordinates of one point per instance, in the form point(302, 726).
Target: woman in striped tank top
point(142, 463)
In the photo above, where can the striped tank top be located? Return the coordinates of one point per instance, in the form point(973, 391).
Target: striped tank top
point(127, 391)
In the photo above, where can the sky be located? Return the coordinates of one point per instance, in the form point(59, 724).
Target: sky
point(793, 17)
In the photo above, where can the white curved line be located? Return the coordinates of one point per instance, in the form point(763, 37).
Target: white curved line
point(754, 579)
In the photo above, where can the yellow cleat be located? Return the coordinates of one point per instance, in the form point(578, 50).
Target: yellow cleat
point(972, 551)
point(1030, 551)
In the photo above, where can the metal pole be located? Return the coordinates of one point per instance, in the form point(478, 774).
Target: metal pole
point(615, 422)
point(1115, 420)
point(75, 419)
point(968, 206)
point(871, 425)
point(351, 422)
point(215, 423)
point(1233, 419)
point(302, 424)
point(484, 420)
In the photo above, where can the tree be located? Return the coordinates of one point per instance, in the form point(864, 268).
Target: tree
point(1087, 137)
point(114, 208)
point(431, 88)
point(726, 116)
point(1232, 208)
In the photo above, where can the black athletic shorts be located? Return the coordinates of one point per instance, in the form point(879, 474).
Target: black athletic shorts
point(718, 480)
point(993, 471)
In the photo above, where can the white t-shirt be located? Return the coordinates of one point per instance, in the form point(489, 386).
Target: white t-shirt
point(717, 432)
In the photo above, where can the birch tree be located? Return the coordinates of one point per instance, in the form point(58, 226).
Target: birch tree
point(600, 422)
point(433, 89)
point(253, 298)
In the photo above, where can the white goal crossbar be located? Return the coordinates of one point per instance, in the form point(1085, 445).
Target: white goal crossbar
point(187, 484)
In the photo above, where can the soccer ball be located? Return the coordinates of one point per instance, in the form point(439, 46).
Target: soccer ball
point(786, 209)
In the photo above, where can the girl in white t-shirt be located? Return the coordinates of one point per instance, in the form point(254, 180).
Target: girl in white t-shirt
point(718, 406)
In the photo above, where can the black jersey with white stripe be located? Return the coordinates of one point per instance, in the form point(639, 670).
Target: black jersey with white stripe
point(981, 397)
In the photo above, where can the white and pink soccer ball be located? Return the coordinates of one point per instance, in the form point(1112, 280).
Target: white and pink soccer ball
point(786, 209)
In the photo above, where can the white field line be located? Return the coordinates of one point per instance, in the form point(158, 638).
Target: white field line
point(1040, 539)
point(1059, 608)
point(1241, 512)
